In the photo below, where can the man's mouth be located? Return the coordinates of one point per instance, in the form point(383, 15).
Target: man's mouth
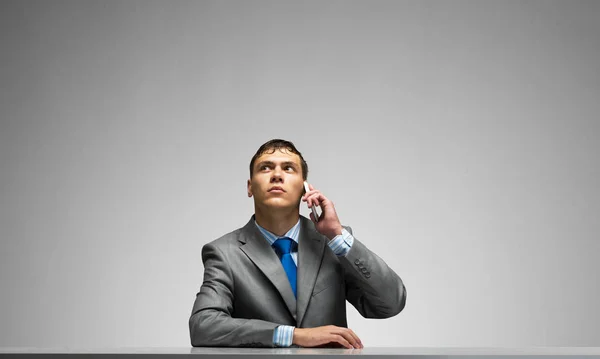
point(276, 189)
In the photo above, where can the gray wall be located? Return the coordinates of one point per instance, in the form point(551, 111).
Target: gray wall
point(459, 139)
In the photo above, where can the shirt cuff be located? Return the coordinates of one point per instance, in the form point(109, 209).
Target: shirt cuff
point(283, 335)
point(342, 243)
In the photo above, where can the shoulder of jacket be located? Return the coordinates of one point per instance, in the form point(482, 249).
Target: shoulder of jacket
point(226, 240)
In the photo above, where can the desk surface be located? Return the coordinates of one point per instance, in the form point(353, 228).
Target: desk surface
point(262, 352)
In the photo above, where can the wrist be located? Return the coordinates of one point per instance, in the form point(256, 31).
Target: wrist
point(296, 336)
point(336, 232)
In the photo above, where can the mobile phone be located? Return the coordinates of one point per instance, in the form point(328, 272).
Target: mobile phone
point(314, 210)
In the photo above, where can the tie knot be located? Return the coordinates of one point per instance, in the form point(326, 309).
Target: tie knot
point(284, 245)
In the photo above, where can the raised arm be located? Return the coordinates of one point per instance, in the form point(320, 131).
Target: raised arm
point(372, 287)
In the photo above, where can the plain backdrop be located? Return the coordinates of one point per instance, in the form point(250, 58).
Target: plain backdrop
point(459, 140)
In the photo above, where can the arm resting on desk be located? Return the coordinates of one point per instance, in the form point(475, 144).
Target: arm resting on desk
point(211, 323)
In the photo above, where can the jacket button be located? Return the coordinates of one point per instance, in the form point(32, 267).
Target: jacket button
point(364, 270)
point(368, 275)
point(357, 262)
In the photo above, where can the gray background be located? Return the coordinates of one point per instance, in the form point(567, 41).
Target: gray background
point(459, 139)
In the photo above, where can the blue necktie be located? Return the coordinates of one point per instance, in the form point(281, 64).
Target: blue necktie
point(283, 246)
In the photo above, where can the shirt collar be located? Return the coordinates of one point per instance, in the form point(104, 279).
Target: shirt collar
point(271, 238)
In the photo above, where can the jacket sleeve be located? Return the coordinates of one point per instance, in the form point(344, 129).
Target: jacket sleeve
point(372, 287)
point(211, 323)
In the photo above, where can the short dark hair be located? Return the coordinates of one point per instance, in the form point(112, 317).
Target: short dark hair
point(278, 144)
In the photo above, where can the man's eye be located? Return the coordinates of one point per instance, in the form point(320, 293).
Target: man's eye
point(264, 167)
point(289, 168)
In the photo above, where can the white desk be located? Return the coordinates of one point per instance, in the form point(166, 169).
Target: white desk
point(223, 353)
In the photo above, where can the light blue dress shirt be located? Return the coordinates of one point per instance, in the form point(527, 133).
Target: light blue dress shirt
point(340, 245)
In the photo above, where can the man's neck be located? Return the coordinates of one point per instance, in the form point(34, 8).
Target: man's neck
point(279, 221)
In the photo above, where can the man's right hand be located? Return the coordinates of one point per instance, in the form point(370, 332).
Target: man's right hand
point(322, 336)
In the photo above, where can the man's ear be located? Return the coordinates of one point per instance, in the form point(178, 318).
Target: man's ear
point(249, 188)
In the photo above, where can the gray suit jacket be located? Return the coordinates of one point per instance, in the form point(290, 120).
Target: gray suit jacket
point(246, 293)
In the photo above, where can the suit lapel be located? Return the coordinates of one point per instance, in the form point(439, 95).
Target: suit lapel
point(264, 257)
point(311, 246)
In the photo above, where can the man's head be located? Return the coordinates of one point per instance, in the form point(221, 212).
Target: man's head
point(277, 173)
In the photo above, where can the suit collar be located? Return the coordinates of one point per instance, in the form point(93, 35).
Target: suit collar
point(311, 246)
point(264, 257)
point(272, 237)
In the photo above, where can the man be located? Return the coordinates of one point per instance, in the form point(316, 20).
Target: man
point(282, 279)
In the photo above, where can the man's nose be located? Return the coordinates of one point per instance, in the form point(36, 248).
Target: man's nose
point(276, 175)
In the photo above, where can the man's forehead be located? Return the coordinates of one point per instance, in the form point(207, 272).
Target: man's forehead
point(279, 155)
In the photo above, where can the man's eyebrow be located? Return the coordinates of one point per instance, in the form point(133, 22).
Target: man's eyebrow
point(289, 163)
point(264, 163)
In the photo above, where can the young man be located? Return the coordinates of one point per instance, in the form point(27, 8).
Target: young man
point(282, 279)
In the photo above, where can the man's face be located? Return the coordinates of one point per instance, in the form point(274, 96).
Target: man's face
point(277, 180)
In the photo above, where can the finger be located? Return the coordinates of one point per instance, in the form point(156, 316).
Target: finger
point(310, 193)
point(322, 200)
point(307, 195)
point(360, 344)
point(340, 339)
point(316, 198)
point(348, 336)
point(312, 217)
point(314, 202)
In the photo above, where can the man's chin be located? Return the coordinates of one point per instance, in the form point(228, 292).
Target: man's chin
point(276, 203)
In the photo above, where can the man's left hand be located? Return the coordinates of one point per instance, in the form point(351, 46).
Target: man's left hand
point(329, 224)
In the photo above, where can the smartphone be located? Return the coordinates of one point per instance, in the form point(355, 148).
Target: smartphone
point(314, 210)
